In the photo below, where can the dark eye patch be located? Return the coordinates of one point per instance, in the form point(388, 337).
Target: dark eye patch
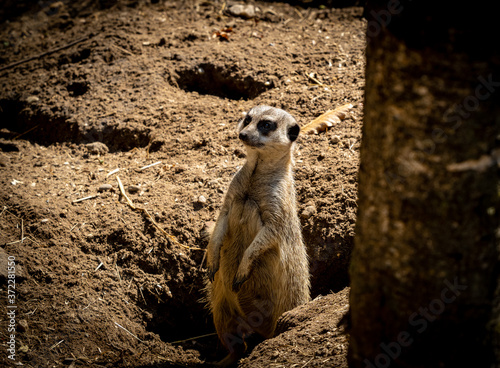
point(247, 120)
point(266, 126)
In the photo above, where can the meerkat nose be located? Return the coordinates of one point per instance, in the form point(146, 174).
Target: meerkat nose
point(243, 136)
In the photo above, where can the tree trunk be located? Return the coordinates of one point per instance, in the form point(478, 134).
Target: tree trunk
point(425, 289)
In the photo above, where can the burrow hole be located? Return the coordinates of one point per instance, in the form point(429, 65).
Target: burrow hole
point(208, 79)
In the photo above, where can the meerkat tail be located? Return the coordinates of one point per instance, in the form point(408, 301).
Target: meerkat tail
point(325, 121)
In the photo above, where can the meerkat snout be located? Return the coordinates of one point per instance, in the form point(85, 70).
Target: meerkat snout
point(243, 136)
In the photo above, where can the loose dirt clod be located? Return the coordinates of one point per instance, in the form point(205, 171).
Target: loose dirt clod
point(97, 148)
point(104, 187)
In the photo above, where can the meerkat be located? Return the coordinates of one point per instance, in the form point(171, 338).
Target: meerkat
point(257, 261)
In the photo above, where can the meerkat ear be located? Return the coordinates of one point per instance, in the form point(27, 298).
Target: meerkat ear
point(293, 132)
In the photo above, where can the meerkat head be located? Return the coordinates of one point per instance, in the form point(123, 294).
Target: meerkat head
point(266, 127)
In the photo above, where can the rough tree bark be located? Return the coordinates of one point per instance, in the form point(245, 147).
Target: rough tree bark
point(424, 269)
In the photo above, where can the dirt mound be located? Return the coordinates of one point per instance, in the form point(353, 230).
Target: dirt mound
point(151, 93)
point(312, 334)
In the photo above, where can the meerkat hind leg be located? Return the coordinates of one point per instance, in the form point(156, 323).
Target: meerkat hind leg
point(229, 330)
point(240, 350)
point(229, 361)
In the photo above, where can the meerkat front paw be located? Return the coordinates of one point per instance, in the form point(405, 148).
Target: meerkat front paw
point(213, 258)
point(243, 273)
point(212, 268)
point(211, 273)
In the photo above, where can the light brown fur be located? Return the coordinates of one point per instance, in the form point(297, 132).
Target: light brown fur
point(256, 256)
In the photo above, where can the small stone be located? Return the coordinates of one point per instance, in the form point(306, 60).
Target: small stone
point(32, 99)
point(335, 139)
point(245, 11)
point(104, 187)
point(202, 199)
point(97, 148)
point(133, 189)
point(44, 221)
point(308, 212)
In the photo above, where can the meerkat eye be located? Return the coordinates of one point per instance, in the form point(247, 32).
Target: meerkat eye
point(266, 126)
point(247, 120)
point(293, 132)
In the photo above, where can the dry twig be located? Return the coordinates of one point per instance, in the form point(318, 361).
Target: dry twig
point(56, 344)
point(100, 265)
point(112, 172)
point(315, 80)
point(148, 166)
point(194, 338)
point(39, 56)
point(85, 198)
point(26, 132)
point(127, 331)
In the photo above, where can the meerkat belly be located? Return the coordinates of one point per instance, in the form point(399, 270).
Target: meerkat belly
point(263, 286)
point(243, 226)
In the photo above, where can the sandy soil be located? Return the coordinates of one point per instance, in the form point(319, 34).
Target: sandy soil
point(134, 84)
